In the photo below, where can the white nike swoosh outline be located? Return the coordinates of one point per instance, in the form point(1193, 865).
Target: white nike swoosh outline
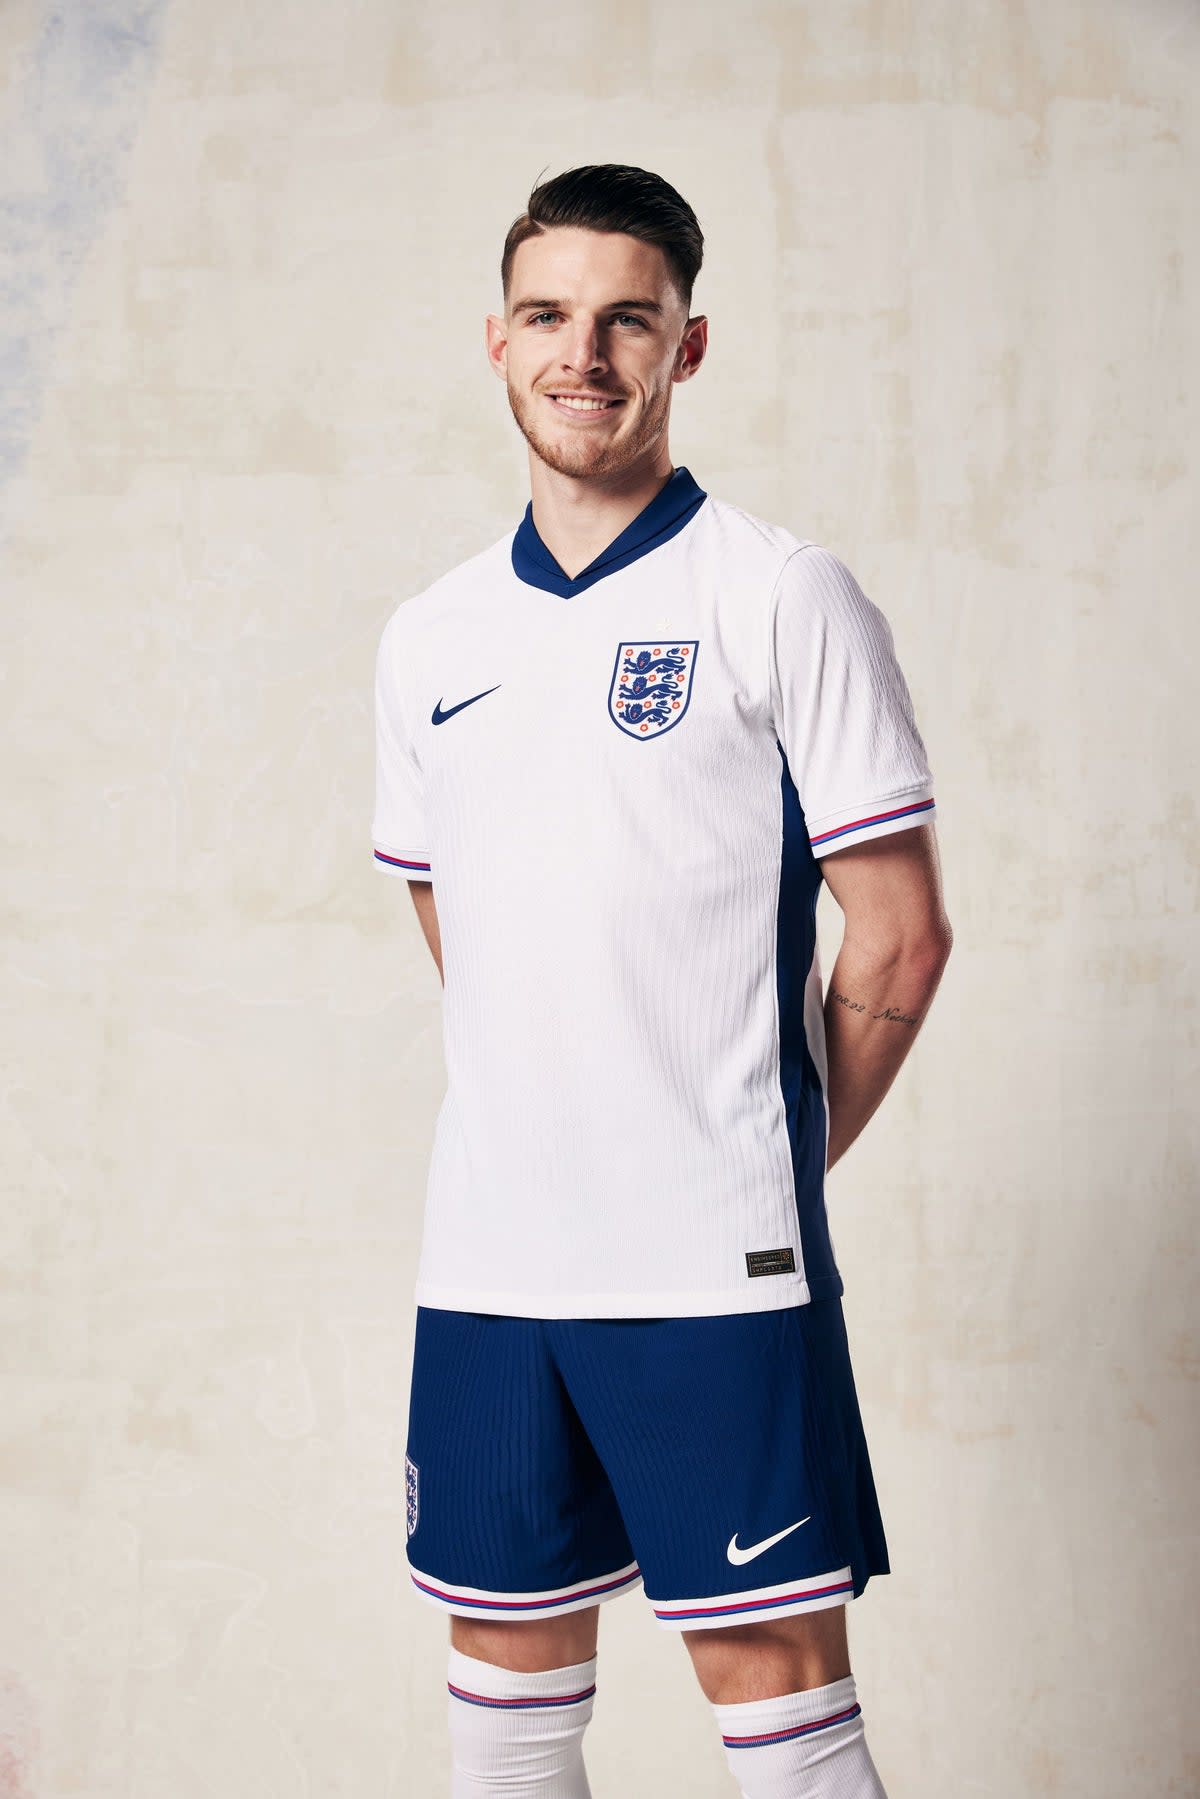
point(738, 1556)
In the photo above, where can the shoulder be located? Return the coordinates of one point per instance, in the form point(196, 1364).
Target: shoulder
point(797, 567)
point(468, 583)
point(817, 591)
point(745, 537)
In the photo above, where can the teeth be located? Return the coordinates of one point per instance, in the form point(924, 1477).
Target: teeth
point(584, 405)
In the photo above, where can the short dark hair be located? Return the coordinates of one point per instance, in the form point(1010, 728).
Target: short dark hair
point(611, 196)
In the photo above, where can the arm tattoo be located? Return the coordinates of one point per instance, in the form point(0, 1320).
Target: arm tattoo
point(889, 1012)
point(896, 1017)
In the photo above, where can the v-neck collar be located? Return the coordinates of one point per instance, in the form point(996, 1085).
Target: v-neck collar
point(668, 512)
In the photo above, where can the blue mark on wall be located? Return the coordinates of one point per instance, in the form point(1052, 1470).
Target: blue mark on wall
point(72, 115)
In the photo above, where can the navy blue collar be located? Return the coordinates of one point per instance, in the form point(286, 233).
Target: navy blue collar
point(668, 512)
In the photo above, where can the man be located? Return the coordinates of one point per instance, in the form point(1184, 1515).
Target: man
point(617, 753)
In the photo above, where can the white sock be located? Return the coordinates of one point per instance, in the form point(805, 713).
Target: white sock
point(805, 1745)
point(519, 1735)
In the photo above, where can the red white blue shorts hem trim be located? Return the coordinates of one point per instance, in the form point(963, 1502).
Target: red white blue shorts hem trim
point(784, 1600)
point(477, 1602)
point(812, 1594)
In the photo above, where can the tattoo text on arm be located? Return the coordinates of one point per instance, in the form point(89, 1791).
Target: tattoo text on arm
point(889, 1013)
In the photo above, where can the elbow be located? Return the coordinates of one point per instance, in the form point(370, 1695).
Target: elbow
point(923, 950)
point(933, 967)
point(931, 951)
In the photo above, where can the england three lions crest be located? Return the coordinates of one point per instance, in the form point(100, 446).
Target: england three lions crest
point(412, 1493)
point(651, 686)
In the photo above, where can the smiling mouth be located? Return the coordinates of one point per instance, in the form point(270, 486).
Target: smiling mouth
point(582, 404)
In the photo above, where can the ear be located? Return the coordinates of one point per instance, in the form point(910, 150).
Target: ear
point(496, 341)
point(692, 346)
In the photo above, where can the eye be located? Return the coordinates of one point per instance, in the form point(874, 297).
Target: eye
point(633, 318)
point(534, 317)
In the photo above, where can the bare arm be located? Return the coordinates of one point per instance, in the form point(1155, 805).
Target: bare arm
point(423, 900)
point(896, 945)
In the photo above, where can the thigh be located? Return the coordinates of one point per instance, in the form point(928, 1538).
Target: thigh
point(510, 1513)
point(736, 1450)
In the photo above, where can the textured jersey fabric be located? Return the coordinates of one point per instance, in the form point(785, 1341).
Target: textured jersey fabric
point(621, 787)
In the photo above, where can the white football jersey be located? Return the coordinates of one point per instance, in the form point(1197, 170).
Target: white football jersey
point(621, 787)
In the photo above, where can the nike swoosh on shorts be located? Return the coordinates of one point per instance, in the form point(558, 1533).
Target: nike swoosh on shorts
point(738, 1556)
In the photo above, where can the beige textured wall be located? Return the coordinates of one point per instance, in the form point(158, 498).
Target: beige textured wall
point(953, 289)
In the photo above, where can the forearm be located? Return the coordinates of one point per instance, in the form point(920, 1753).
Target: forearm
point(426, 905)
point(874, 1006)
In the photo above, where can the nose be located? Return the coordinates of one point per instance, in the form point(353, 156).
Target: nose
point(581, 350)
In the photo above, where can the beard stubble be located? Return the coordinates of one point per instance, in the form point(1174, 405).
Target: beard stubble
point(603, 456)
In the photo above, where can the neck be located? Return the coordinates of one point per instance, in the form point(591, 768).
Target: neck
point(577, 517)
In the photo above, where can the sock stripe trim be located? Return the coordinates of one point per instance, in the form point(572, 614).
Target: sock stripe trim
point(524, 1705)
point(786, 1736)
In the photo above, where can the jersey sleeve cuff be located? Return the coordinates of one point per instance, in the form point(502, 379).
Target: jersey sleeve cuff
point(858, 824)
point(413, 864)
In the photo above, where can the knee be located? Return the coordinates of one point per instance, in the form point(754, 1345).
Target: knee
point(528, 1645)
point(771, 1656)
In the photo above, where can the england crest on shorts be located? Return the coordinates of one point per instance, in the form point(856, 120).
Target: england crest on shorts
point(651, 686)
point(411, 1474)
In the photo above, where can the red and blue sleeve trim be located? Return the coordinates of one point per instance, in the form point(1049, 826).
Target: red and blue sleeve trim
point(875, 818)
point(402, 862)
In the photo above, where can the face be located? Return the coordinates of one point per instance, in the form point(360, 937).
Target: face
point(593, 316)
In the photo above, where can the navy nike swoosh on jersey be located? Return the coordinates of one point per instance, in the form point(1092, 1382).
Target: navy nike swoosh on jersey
point(439, 717)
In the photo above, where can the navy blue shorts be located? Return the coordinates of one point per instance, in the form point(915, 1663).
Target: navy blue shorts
point(721, 1461)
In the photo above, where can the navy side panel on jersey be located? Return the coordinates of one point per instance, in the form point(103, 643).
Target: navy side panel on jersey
point(804, 1101)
